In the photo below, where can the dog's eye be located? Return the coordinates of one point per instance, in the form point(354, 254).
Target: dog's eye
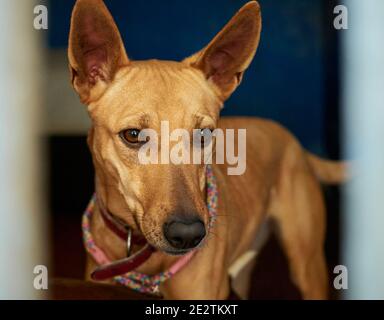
point(205, 137)
point(130, 135)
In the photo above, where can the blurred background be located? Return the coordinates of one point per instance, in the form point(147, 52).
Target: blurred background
point(296, 79)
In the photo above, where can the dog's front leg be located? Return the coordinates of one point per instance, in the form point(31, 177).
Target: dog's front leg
point(205, 277)
point(90, 265)
point(196, 288)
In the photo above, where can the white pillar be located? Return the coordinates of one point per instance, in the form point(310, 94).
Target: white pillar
point(363, 109)
point(21, 220)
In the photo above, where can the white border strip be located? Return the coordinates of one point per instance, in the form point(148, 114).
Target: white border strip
point(363, 108)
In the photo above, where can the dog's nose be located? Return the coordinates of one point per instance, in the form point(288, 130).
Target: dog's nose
point(184, 233)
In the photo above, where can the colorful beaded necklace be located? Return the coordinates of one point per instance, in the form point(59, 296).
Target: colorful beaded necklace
point(137, 281)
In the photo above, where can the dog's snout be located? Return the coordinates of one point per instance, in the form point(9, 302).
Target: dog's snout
point(184, 233)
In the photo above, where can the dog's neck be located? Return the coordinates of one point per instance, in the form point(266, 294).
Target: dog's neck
point(111, 199)
point(116, 248)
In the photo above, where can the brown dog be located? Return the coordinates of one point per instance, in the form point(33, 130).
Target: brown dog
point(280, 183)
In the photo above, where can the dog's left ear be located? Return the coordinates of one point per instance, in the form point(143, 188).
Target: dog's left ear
point(231, 52)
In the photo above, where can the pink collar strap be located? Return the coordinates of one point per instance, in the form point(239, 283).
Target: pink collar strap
point(137, 281)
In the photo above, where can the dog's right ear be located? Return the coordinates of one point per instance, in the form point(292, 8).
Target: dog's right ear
point(96, 50)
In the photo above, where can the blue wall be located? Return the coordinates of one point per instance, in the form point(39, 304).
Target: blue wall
point(286, 81)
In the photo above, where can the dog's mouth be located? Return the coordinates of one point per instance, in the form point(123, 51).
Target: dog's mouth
point(177, 252)
point(168, 249)
point(172, 251)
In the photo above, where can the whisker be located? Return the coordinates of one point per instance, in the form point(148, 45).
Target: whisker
point(216, 235)
point(226, 215)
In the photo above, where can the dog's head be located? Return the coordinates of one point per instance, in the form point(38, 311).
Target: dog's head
point(166, 202)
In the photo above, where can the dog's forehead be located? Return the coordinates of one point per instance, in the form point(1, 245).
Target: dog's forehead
point(166, 88)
